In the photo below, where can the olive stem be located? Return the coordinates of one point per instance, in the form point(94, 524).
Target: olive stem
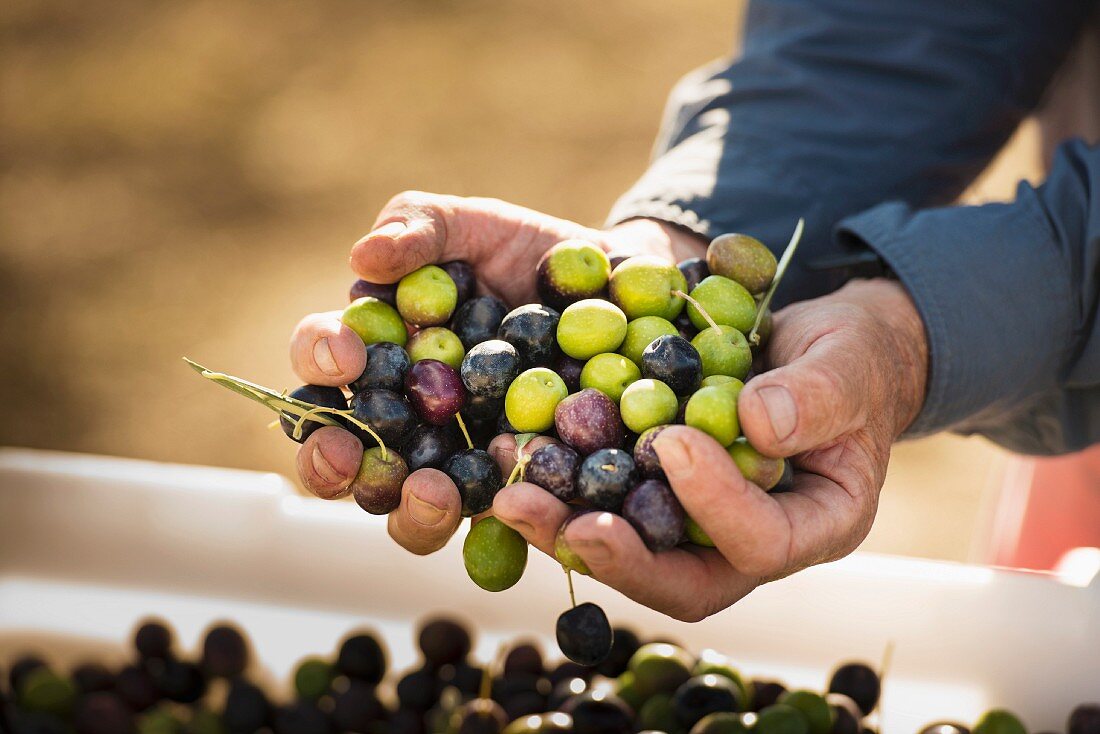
point(884, 667)
point(569, 579)
point(698, 307)
point(465, 433)
point(517, 470)
point(780, 270)
point(486, 688)
point(347, 414)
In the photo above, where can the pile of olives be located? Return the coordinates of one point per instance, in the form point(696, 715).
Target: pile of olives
point(653, 686)
point(620, 348)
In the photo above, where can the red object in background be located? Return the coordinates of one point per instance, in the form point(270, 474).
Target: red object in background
point(1049, 507)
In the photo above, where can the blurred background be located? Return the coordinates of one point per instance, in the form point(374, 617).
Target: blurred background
point(186, 178)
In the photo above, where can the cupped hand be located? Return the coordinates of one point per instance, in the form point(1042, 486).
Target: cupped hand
point(847, 375)
point(503, 242)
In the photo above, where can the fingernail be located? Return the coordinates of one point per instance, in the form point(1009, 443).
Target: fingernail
point(322, 357)
point(324, 469)
point(781, 409)
point(391, 229)
point(425, 513)
point(594, 552)
point(674, 456)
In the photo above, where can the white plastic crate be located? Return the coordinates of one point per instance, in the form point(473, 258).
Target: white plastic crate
point(90, 545)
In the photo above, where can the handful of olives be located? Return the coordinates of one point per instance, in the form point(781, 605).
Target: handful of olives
point(612, 357)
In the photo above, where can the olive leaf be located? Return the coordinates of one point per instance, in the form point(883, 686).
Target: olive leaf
point(279, 402)
point(522, 439)
point(291, 408)
point(784, 261)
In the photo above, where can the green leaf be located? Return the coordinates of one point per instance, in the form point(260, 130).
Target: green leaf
point(780, 269)
point(522, 439)
point(278, 402)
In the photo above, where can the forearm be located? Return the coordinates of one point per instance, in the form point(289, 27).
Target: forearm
point(815, 120)
point(1008, 296)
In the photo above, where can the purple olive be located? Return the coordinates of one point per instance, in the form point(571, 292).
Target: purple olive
point(435, 390)
point(653, 510)
point(645, 458)
point(569, 370)
point(554, 468)
point(463, 275)
point(382, 291)
point(589, 421)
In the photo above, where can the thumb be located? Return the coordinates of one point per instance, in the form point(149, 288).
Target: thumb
point(809, 402)
point(414, 229)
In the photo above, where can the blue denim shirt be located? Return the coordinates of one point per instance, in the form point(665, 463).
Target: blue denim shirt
point(868, 117)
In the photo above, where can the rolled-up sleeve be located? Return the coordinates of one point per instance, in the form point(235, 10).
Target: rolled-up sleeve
point(1009, 296)
point(834, 106)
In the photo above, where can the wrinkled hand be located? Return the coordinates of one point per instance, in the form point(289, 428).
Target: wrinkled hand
point(847, 375)
point(503, 242)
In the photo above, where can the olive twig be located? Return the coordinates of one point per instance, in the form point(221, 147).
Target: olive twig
point(290, 408)
point(465, 433)
point(698, 307)
point(784, 261)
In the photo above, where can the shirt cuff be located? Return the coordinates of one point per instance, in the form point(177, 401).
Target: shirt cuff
point(990, 284)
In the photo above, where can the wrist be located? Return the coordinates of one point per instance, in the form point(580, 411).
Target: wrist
point(905, 344)
point(654, 237)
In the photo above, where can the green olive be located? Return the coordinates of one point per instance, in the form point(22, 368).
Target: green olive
point(495, 555)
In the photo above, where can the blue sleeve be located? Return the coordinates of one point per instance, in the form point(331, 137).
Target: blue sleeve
point(1009, 296)
point(837, 105)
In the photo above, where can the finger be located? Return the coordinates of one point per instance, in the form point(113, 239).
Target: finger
point(808, 402)
point(414, 229)
point(429, 513)
point(503, 449)
point(532, 512)
point(687, 585)
point(325, 352)
point(328, 461)
point(747, 525)
point(763, 535)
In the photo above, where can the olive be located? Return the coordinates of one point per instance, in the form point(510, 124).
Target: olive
point(1085, 719)
point(246, 707)
point(224, 652)
point(361, 657)
point(444, 641)
point(386, 366)
point(584, 634)
point(780, 718)
point(478, 478)
point(153, 639)
point(495, 555)
point(702, 695)
point(596, 712)
point(858, 682)
point(660, 667)
point(478, 320)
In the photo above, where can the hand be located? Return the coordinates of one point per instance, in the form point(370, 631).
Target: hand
point(503, 242)
point(847, 376)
